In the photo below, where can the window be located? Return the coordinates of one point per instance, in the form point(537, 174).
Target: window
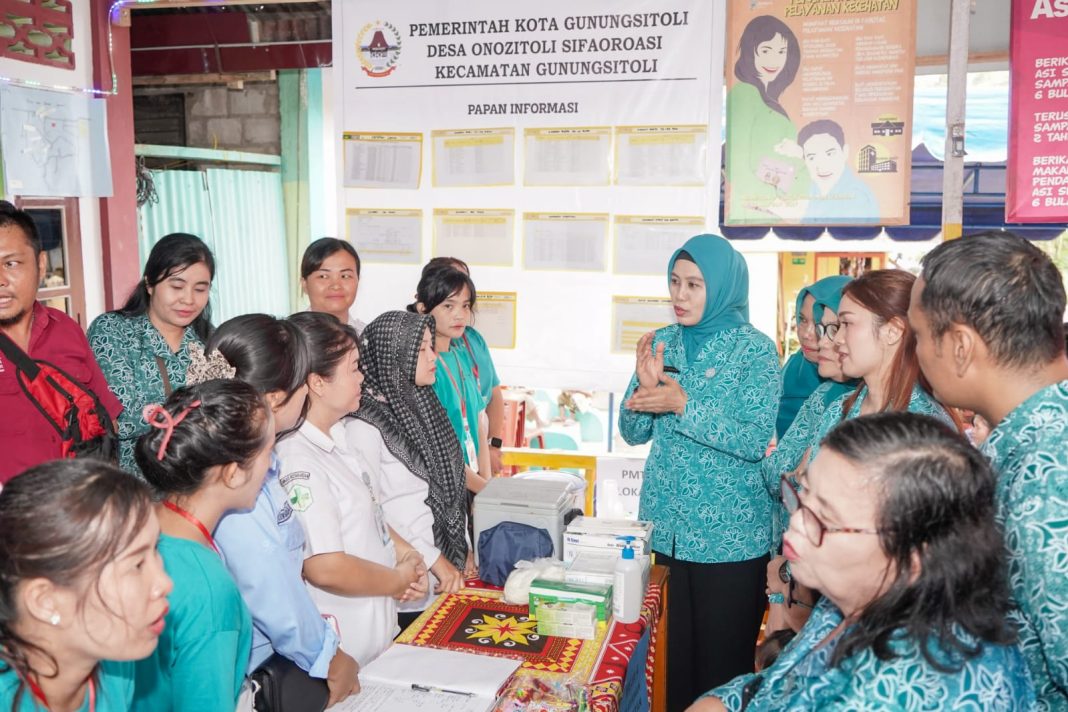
point(57, 223)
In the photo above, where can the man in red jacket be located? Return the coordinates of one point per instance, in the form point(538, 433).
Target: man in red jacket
point(26, 437)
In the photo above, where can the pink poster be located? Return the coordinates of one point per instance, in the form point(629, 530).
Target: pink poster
point(1037, 181)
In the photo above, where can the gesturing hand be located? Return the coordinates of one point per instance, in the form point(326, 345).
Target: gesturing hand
point(667, 398)
point(649, 365)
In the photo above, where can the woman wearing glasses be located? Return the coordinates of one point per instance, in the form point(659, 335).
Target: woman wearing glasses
point(801, 375)
point(705, 391)
point(789, 454)
point(894, 523)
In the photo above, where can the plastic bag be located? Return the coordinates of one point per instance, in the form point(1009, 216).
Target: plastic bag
point(517, 587)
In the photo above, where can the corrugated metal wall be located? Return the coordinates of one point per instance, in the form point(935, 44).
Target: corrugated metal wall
point(239, 214)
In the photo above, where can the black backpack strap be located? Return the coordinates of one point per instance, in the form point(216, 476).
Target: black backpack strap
point(17, 356)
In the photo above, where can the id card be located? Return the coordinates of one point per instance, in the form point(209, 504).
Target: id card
point(469, 446)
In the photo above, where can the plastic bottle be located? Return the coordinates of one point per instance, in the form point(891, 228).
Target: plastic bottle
point(627, 591)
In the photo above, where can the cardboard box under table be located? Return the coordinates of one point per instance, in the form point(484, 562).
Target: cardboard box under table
point(476, 620)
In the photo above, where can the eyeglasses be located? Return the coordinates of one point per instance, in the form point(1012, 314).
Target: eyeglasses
point(828, 330)
point(814, 527)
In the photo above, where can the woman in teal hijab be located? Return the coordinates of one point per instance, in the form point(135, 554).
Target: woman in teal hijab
point(705, 392)
point(799, 376)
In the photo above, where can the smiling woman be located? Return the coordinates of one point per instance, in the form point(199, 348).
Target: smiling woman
point(330, 276)
point(143, 348)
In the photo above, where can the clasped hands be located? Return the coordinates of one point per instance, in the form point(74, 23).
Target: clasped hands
point(657, 392)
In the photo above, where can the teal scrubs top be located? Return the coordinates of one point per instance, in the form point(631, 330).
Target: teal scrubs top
point(1029, 451)
point(996, 680)
point(478, 353)
point(703, 487)
point(114, 690)
point(203, 653)
point(461, 388)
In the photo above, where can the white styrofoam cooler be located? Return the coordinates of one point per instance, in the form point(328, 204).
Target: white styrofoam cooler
point(537, 503)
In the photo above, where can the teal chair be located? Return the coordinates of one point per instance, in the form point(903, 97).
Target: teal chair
point(592, 429)
point(541, 396)
point(554, 441)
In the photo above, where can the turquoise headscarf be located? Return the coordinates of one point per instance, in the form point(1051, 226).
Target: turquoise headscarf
point(726, 289)
point(799, 377)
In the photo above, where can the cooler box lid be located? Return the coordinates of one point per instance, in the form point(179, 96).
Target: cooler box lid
point(509, 493)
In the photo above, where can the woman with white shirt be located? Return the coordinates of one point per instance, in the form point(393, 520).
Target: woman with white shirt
point(354, 563)
point(403, 429)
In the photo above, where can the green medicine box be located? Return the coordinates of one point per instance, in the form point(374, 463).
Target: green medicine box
point(556, 592)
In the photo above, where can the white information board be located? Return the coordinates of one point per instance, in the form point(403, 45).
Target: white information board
point(604, 107)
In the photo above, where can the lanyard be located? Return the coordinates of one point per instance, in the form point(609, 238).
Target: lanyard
point(194, 521)
point(40, 695)
point(457, 387)
point(474, 361)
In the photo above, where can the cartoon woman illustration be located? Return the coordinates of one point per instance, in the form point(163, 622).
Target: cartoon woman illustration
point(764, 162)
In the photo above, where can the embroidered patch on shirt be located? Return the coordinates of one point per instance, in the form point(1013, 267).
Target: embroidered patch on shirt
point(284, 480)
point(300, 498)
point(285, 513)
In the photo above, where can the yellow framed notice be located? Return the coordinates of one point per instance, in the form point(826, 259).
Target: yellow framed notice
point(495, 318)
point(382, 160)
point(644, 243)
point(633, 317)
point(477, 236)
point(568, 156)
point(565, 241)
point(386, 234)
point(661, 155)
point(473, 158)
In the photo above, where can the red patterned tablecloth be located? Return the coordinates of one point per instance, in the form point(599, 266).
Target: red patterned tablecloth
point(476, 620)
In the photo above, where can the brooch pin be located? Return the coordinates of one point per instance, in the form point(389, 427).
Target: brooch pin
point(710, 373)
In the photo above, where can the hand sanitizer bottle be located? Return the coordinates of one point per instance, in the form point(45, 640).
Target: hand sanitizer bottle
point(627, 591)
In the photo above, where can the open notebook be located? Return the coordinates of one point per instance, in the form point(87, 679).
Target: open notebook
point(410, 678)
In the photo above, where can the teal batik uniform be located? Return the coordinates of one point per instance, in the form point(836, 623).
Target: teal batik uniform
point(202, 656)
point(1029, 451)
point(799, 376)
point(478, 353)
point(791, 448)
point(456, 386)
point(920, 402)
point(126, 347)
point(996, 680)
point(114, 690)
point(753, 131)
point(703, 488)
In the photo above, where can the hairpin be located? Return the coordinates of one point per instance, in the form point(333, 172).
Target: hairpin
point(159, 417)
point(207, 368)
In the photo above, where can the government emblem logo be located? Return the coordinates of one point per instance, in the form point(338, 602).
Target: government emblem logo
point(378, 48)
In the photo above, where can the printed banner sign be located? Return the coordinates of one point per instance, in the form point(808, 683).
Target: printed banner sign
point(819, 111)
point(1037, 178)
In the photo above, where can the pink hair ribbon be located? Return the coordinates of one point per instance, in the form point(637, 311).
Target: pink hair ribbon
point(158, 417)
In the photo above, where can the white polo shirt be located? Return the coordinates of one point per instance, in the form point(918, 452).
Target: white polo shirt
point(403, 497)
point(325, 481)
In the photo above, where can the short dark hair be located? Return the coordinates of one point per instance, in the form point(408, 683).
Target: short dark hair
point(317, 252)
point(227, 427)
point(821, 126)
point(173, 253)
point(10, 216)
point(64, 521)
point(938, 506)
point(438, 284)
point(1002, 286)
point(327, 338)
point(443, 262)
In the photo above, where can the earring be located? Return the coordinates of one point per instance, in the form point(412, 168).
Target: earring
point(54, 620)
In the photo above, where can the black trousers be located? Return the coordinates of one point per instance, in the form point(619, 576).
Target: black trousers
point(714, 616)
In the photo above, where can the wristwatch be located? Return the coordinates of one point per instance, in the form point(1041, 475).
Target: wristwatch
point(496, 443)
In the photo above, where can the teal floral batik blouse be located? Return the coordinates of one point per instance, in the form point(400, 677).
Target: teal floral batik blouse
point(126, 347)
point(703, 487)
point(1029, 451)
point(996, 680)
